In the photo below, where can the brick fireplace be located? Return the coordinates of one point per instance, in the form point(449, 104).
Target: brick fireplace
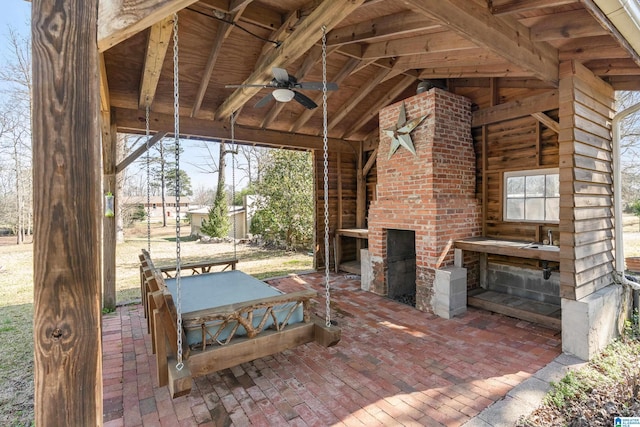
point(431, 195)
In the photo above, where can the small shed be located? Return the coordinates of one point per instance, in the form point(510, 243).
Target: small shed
point(237, 219)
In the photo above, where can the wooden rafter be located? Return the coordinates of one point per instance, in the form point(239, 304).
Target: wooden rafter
point(373, 111)
point(483, 70)
point(565, 25)
point(503, 36)
point(362, 92)
point(442, 41)
point(105, 103)
point(522, 107)
point(372, 161)
point(157, 45)
point(223, 32)
point(301, 40)
point(120, 19)
point(399, 24)
point(458, 58)
point(517, 6)
point(345, 72)
point(254, 13)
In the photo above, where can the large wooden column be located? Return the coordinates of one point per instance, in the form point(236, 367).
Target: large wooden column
point(66, 164)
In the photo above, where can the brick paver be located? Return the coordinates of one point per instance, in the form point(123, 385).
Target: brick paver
point(394, 366)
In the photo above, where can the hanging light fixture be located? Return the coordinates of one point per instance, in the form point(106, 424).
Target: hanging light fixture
point(283, 95)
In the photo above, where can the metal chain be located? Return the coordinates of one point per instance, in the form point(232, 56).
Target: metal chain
point(176, 134)
point(325, 147)
point(234, 150)
point(146, 128)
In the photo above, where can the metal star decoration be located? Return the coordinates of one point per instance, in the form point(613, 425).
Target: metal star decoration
point(401, 133)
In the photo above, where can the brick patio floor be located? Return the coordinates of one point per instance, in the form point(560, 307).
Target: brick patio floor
point(394, 366)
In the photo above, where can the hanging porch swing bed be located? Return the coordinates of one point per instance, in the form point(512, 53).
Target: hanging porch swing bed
point(228, 318)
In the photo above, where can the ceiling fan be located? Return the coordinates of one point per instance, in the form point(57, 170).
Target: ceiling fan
point(284, 85)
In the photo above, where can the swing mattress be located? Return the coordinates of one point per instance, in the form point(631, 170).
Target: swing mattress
point(213, 290)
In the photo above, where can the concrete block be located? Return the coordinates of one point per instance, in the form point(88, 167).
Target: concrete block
point(366, 270)
point(450, 292)
point(591, 323)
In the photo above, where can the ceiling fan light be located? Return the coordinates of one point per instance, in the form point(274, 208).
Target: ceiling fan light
point(283, 95)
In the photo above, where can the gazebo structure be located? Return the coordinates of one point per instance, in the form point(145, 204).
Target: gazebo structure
point(514, 145)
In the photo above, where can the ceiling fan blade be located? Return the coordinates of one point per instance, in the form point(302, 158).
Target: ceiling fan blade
point(247, 85)
point(304, 100)
point(280, 74)
point(316, 86)
point(264, 101)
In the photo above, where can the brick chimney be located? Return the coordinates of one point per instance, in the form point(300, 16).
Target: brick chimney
point(431, 194)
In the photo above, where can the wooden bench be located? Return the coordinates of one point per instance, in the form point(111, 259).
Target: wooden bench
point(214, 354)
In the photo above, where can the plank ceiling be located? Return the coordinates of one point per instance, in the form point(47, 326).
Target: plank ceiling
point(378, 52)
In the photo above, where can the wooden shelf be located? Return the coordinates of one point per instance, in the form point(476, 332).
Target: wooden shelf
point(506, 247)
point(544, 314)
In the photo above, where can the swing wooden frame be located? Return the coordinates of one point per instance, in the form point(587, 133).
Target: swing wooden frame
point(259, 342)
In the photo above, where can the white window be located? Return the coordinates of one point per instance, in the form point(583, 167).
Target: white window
point(532, 195)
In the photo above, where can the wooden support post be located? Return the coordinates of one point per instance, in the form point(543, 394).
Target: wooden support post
point(109, 144)
point(160, 349)
point(67, 215)
point(361, 196)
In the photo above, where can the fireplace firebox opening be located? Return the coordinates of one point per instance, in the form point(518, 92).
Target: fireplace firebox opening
point(401, 266)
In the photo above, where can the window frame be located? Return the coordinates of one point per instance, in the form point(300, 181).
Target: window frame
point(525, 173)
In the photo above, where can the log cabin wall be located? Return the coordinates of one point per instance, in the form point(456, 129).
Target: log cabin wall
point(586, 188)
point(342, 203)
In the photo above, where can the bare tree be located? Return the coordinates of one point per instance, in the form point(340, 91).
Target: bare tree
point(15, 138)
point(629, 148)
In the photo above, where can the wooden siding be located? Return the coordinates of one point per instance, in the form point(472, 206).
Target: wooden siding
point(586, 187)
point(518, 143)
point(342, 203)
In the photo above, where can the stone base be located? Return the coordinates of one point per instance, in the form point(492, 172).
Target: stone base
point(366, 270)
point(450, 288)
point(590, 324)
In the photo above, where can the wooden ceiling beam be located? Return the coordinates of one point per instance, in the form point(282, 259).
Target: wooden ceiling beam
point(502, 35)
point(396, 25)
point(362, 92)
point(388, 97)
point(120, 19)
point(443, 41)
point(475, 71)
point(224, 29)
point(157, 44)
point(254, 13)
point(306, 35)
point(236, 6)
point(564, 25)
point(612, 67)
point(585, 49)
point(520, 108)
point(518, 6)
point(447, 59)
point(105, 102)
point(132, 121)
point(349, 68)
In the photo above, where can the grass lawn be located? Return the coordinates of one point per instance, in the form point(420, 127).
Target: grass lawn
point(16, 298)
